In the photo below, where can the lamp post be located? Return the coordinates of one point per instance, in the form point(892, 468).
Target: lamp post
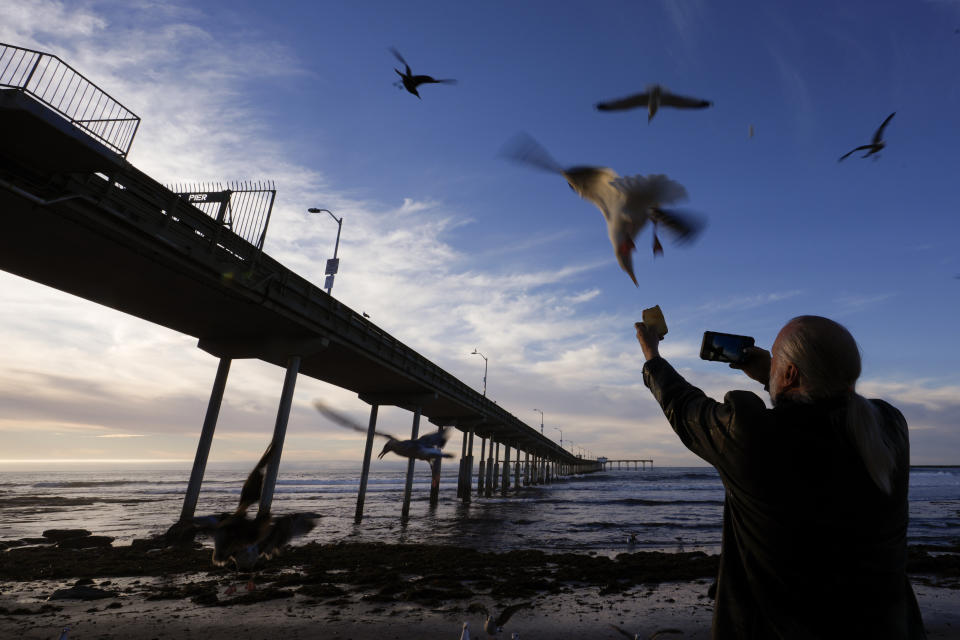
point(541, 420)
point(477, 353)
point(333, 264)
point(561, 436)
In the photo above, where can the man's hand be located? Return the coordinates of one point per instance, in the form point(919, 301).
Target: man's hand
point(756, 365)
point(649, 341)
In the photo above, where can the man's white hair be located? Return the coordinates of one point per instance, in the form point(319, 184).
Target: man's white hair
point(828, 360)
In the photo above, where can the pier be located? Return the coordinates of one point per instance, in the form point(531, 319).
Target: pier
point(607, 465)
point(78, 217)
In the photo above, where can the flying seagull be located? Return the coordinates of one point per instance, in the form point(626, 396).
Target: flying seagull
point(653, 98)
point(409, 81)
point(242, 540)
point(626, 203)
point(874, 147)
point(428, 447)
point(493, 627)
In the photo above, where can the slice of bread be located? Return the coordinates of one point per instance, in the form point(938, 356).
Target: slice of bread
point(653, 318)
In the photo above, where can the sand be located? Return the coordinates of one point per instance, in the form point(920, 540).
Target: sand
point(381, 591)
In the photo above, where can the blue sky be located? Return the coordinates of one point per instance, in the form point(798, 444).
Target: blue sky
point(450, 247)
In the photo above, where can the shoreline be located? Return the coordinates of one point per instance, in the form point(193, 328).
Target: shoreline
point(378, 590)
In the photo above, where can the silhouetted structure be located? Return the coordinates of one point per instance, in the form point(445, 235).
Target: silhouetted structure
point(80, 218)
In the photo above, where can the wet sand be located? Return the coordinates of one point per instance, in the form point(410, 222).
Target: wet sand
point(354, 590)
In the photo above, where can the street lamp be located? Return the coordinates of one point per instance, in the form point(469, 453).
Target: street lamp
point(541, 420)
point(477, 353)
point(561, 436)
point(332, 264)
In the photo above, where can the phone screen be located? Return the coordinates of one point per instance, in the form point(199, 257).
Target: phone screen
point(724, 347)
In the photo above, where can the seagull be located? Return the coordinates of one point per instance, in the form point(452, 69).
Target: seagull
point(428, 447)
point(493, 627)
point(653, 636)
point(653, 98)
point(409, 81)
point(626, 203)
point(874, 147)
point(242, 540)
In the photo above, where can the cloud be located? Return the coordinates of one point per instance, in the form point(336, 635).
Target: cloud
point(740, 303)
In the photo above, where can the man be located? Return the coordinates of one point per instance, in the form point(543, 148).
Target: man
point(815, 515)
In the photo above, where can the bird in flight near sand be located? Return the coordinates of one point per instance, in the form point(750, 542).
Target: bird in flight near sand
point(653, 98)
point(242, 540)
point(876, 145)
point(626, 203)
point(410, 82)
point(428, 447)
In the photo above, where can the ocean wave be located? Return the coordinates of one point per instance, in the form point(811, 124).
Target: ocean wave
point(85, 484)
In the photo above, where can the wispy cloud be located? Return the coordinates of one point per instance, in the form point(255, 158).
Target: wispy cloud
point(748, 301)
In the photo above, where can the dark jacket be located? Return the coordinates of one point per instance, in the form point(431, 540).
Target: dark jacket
point(812, 548)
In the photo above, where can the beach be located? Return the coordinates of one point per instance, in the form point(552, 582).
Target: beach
point(377, 590)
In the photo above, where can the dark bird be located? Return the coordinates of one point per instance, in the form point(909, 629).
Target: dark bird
point(242, 540)
point(874, 147)
point(428, 447)
point(494, 626)
point(626, 203)
point(653, 98)
point(409, 81)
point(653, 636)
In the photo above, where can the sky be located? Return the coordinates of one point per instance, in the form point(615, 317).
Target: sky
point(450, 248)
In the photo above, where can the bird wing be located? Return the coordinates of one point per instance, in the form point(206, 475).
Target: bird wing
point(622, 632)
point(509, 611)
point(345, 421)
point(435, 439)
point(253, 486)
point(418, 80)
point(682, 102)
point(655, 188)
point(630, 102)
point(400, 58)
point(878, 136)
point(860, 148)
point(524, 149)
point(284, 529)
point(684, 226)
point(659, 632)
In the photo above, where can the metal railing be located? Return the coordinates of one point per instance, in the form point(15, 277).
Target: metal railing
point(241, 207)
point(65, 90)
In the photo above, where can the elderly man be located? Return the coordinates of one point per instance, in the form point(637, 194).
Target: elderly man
point(815, 516)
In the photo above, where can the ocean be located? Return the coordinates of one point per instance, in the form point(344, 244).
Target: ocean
point(667, 509)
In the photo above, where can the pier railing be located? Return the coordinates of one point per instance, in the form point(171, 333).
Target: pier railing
point(56, 84)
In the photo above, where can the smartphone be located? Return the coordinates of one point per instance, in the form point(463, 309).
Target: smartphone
point(724, 347)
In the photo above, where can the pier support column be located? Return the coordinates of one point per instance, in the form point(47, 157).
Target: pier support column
point(408, 487)
point(279, 433)
point(526, 470)
point(463, 465)
point(468, 475)
point(505, 483)
point(491, 462)
point(496, 468)
point(365, 471)
point(481, 475)
point(435, 477)
point(516, 472)
point(206, 438)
